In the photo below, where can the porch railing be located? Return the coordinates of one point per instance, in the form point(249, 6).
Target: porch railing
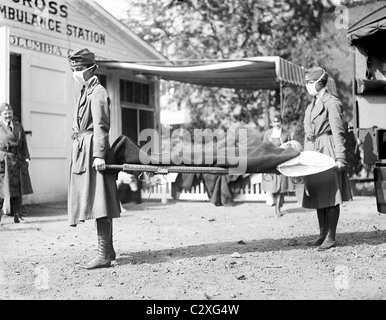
point(251, 192)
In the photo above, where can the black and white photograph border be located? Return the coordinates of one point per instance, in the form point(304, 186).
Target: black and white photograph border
point(195, 251)
point(172, 242)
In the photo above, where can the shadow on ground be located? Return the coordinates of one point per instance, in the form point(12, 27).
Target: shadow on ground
point(265, 245)
point(45, 210)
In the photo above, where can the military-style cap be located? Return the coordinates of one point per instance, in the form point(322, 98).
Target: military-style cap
point(315, 73)
point(5, 107)
point(80, 58)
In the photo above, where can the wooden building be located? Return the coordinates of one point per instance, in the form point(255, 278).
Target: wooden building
point(36, 36)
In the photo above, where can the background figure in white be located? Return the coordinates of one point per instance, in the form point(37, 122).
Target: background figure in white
point(275, 185)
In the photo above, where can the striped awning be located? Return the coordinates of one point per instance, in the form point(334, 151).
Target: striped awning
point(252, 73)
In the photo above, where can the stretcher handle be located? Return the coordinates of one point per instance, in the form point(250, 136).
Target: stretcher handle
point(167, 169)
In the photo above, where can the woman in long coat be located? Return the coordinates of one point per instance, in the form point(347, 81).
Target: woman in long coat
point(14, 158)
point(276, 184)
point(325, 133)
point(92, 191)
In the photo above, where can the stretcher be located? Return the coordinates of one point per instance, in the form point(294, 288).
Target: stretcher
point(165, 170)
point(264, 157)
point(306, 163)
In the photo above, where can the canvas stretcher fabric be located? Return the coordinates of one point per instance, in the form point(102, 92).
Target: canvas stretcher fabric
point(261, 158)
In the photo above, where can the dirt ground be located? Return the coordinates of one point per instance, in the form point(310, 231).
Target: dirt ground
point(196, 251)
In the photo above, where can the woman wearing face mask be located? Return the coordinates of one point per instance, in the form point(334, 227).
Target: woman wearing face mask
point(325, 133)
point(92, 192)
point(276, 184)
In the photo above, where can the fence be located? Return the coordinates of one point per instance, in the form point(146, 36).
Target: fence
point(251, 192)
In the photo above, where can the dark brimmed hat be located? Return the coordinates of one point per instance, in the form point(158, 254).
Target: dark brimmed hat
point(80, 58)
point(5, 107)
point(315, 73)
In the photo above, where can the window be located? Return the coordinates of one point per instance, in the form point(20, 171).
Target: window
point(135, 92)
point(130, 123)
point(137, 111)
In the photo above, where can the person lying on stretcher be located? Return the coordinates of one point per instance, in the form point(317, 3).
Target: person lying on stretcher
point(265, 157)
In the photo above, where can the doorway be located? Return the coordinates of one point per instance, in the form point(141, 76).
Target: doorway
point(15, 85)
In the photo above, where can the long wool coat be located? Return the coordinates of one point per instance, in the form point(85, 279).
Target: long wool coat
point(14, 175)
point(92, 194)
point(324, 122)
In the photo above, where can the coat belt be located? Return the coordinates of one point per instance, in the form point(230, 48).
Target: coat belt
point(313, 138)
point(80, 134)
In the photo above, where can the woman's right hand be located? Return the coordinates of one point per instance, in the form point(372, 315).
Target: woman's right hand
point(99, 164)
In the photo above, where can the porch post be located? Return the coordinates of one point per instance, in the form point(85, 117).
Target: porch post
point(266, 110)
point(281, 98)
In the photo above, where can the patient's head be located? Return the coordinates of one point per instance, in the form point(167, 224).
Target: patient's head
point(292, 144)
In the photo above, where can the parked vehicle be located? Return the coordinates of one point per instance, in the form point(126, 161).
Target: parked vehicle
point(367, 37)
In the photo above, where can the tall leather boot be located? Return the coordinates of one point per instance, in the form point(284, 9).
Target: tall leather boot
point(333, 214)
point(322, 220)
point(102, 260)
point(16, 204)
point(112, 254)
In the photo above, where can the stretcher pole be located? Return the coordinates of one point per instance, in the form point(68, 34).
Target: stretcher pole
point(164, 170)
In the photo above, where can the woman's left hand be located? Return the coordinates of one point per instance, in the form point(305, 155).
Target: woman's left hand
point(340, 165)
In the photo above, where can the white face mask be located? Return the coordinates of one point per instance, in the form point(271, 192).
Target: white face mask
point(79, 76)
point(311, 87)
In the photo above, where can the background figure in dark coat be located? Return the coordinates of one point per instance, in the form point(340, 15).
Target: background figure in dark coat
point(325, 133)
point(14, 161)
point(276, 184)
point(92, 191)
